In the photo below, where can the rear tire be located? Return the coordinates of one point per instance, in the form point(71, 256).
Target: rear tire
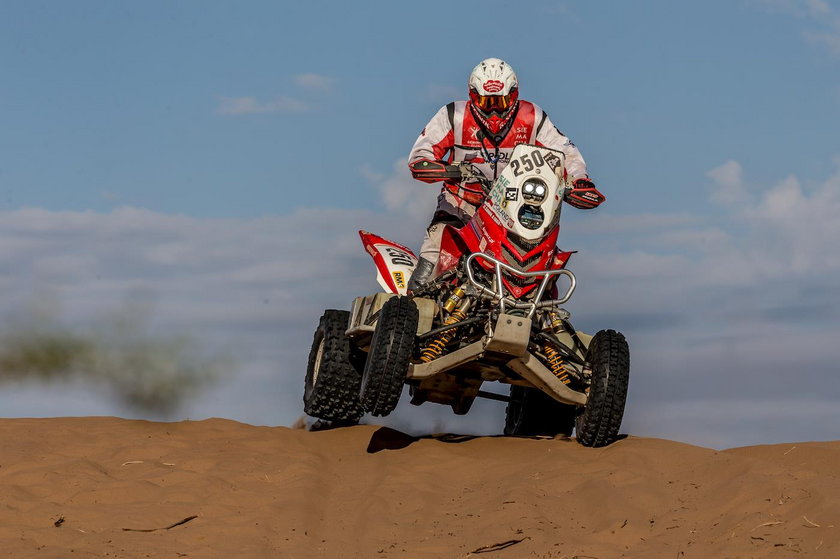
point(600, 421)
point(331, 390)
point(532, 413)
point(389, 356)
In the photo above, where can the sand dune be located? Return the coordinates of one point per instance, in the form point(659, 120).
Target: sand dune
point(106, 487)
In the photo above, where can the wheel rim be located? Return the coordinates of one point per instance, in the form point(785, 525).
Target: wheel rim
point(317, 366)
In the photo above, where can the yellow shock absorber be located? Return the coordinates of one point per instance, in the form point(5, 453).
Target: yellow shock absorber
point(454, 299)
point(435, 349)
point(556, 363)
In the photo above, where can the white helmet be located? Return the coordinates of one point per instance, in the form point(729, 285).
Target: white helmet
point(494, 91)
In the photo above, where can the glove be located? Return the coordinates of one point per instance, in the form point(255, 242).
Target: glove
point(584, 195)
point(429, 170)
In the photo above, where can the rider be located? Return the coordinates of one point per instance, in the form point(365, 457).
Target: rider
point(483, 132)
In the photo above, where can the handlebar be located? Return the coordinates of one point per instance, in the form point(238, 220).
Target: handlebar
point(469, 173)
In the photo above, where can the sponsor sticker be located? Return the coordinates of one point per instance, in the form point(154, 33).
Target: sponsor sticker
point(498, 204)
point(494, 216)
point(511, 194)
point(493, 86)
point(399, 280)
point(552, 160)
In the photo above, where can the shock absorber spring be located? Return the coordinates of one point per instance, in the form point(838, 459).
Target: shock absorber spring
point(556, 363)
point(436, 347)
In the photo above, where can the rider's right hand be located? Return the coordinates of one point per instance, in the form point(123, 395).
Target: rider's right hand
point(430, 170)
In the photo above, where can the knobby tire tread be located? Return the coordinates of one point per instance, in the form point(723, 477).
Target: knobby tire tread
point(600, 422)
point(335, 397)
point(389, 356)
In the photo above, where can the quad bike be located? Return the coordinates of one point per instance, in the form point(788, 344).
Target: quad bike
point(491, 313)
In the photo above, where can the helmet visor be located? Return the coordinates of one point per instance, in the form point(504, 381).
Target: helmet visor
point(492, 103)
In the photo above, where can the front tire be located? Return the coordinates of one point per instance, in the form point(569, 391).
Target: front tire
point(331, 390)
point(389, 356)
point(532, 413)
point(600, 421)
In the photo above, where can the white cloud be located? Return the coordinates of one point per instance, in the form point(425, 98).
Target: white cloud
point(315, 82)
point(246, 105)
point(818, 7)
point(623, 224)
point(235, 106)
point(402, 195)
point(802, 225)
point(831, 41)
point(222, 269)
point(782, 230)
point(729, 182)
point(799, 8)
point(822, 16)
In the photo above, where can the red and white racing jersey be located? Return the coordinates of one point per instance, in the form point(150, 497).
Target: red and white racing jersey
point(454, 135)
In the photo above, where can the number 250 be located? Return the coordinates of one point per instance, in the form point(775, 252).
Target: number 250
point(527, 163)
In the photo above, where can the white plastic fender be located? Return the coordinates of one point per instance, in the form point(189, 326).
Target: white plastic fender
point(394, 262)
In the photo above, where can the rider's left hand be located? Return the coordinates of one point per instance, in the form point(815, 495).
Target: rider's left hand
point(584, 195)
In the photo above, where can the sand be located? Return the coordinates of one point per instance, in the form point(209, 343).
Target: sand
point(108, 487)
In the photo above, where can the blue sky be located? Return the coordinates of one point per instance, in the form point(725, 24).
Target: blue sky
point(220, 156)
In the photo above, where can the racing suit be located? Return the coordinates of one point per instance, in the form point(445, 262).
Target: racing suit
point(454, 134)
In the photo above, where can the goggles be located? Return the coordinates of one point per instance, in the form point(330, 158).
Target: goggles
point(493, 103)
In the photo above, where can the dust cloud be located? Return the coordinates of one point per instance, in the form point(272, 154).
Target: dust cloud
point(146, 370)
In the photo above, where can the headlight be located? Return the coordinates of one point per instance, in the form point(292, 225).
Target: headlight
point(531, 217)
point(533, 190)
